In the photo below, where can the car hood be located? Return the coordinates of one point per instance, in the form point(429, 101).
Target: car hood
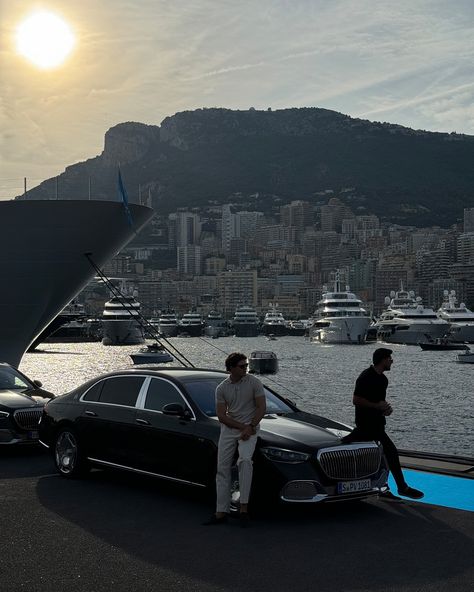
point(16, 399)
point(297, 433)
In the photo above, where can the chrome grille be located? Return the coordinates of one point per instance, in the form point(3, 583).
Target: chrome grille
point(350, 462)
point(28, 419)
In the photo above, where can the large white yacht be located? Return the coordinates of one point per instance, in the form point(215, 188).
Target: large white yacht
point(274, 322)
point(191, 324)
point(339, 317)
point(216, 325)
point(407, 321)
point(245, 322)
point(459, 316)
point(44, 249)
point(168, 323)
point(120, 319)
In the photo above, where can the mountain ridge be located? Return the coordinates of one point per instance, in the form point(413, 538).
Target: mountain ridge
point(207, 155)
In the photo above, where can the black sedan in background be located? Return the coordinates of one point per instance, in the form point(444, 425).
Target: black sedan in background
point(163, 423)
point(21, 405)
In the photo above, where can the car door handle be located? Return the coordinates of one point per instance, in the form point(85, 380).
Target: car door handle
point(142, 421)
point(91, 413)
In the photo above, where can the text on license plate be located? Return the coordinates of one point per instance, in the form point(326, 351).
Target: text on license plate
point(354, 486)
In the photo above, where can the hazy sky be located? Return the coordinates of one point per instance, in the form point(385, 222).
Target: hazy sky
point(408, 62)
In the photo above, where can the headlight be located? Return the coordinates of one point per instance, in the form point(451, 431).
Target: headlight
point(286, 456)
point(4, 414)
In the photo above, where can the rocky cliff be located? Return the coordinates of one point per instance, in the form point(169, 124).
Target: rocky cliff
point(194, 157)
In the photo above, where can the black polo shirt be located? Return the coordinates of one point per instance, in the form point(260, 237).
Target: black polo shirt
point(371, 386)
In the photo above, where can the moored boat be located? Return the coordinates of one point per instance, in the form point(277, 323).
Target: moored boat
point(466, 358)
point(154, 353)
point(263, 362)
point(442, 344)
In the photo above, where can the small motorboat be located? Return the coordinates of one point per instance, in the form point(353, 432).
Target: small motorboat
point(263, 362)
point(271, 337)
point(154, 353)
point(442, 344)
point(466, 358)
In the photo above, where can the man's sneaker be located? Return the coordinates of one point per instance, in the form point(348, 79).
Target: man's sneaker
point(388, 496)
point(410, 492)
point(215, 521)
point(244, 520)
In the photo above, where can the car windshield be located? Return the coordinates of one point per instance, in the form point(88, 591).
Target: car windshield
point(10, 379)
point(203, 393)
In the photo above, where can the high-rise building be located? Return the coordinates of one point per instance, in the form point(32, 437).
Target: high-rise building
point(189, 260)
point(236, 288)
point(468, 219)
point(297, 213)
point(465, 248)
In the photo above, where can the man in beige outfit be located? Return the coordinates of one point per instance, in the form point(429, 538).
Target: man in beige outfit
point(240, 405)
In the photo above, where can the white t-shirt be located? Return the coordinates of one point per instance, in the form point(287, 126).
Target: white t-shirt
point(240, 396)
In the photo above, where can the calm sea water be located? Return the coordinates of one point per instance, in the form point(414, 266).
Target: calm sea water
point(432, 395)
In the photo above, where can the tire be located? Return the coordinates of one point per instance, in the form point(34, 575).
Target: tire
point(68, 458)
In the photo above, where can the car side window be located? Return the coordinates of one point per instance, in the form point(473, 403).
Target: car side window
point(93, 393)
point(160, 393)
point(121, 390)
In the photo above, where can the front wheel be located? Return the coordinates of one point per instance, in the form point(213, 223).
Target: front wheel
point(67, 454)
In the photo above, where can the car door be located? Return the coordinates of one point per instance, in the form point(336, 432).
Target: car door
point(110, 420)
point(165, 444)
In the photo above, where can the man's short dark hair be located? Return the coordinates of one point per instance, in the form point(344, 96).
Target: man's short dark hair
point(380, 354)
point(233, 359)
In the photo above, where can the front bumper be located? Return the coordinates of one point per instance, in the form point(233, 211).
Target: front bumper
point(9, 437)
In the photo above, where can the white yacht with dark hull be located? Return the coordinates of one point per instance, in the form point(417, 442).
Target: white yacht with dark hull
point(168, 323)
point(274, 322)
point(245, 322)
point(340, 317)
point(121, 320)
point(191, 324)
point(407, 321)
point(460, 318)
point(43, 248)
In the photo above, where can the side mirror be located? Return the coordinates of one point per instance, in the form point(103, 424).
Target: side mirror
point(176, 409)
point(38, 383)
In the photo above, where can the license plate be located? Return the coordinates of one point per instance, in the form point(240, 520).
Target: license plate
point(33, 435)
point(354, 486)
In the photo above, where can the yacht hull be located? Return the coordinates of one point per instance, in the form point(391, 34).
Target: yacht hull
point(351, 330)
point(269, 329)
point(43, 247)
point(462, 333)
point(411, 334)
point(246, 329)
point(122, 332)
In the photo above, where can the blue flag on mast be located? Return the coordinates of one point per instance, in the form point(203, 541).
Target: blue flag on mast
point(123, 196)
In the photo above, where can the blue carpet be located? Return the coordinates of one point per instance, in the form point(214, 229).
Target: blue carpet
point(440, 490)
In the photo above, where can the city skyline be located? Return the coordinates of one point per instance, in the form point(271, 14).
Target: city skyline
point(142, 61)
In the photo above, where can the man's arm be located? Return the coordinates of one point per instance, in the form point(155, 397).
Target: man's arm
point(382, 406)
point(221, 410)
point(261, 409)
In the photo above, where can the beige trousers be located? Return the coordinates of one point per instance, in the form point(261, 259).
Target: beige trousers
point(229, 440)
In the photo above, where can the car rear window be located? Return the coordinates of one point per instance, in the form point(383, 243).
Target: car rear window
point(121, 390)
point(203, 393)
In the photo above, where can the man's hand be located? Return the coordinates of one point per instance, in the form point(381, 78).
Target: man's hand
point(247, 432)
point(384, 407)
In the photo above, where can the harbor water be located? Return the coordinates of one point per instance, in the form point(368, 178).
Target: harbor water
point(430, 392)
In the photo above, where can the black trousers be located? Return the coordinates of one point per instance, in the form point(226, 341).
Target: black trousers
point(360, 434)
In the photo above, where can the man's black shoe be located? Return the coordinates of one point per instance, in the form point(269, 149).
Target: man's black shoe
point(388, 496)
point(410, 492)
point(215, 521)
point(244, 520)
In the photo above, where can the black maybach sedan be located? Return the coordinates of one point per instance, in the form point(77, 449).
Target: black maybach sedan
point(21, 405)
point(163, 423)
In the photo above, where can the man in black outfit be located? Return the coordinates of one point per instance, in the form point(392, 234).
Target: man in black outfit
point(371, 408)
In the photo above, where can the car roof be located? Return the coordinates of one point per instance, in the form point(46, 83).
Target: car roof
point(184, 374)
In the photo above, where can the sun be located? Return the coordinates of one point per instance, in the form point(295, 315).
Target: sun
point(45, 39)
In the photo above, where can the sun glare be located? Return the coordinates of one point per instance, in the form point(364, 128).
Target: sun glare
point(44, 39)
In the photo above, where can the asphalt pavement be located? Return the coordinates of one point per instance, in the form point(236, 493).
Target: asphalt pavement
point(119, 532)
